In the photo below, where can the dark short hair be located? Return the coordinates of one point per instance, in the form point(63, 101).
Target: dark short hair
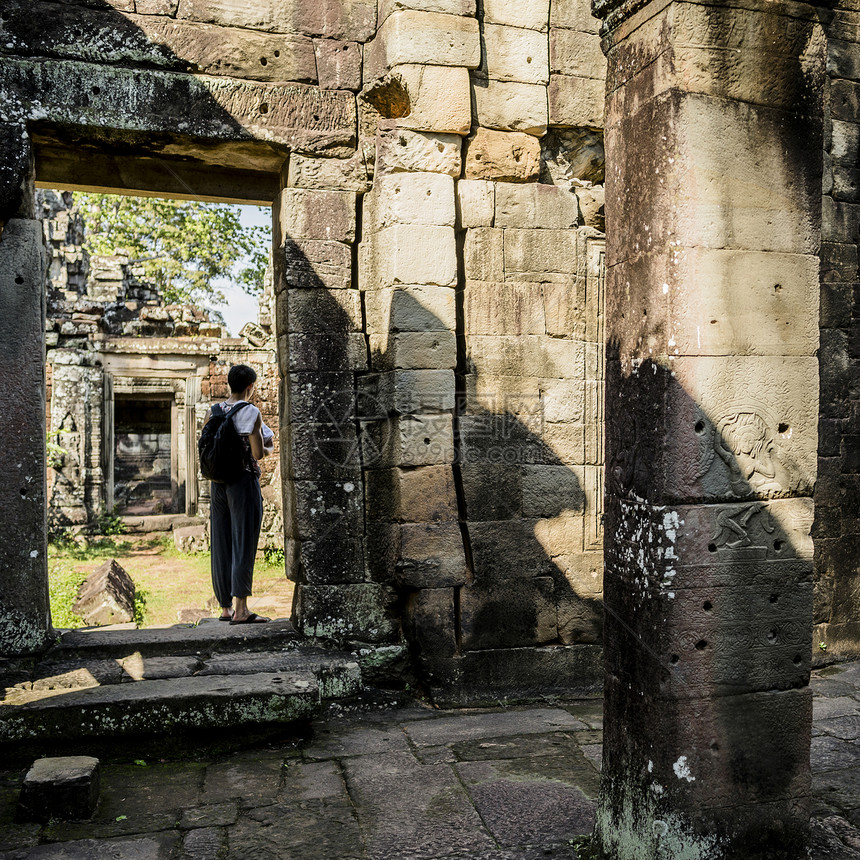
point(240, 377)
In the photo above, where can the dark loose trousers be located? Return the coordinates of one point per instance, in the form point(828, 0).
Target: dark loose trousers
point(236, 514)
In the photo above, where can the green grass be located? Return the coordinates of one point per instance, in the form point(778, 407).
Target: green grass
point(165, 579)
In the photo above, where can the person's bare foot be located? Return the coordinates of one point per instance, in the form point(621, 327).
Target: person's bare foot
point(226, 614)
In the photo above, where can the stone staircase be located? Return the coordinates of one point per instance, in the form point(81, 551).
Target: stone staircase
point(97, 686)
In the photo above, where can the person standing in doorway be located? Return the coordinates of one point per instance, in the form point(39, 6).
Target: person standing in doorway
point(236, 510)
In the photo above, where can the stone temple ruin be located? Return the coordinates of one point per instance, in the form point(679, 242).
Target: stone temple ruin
point(540, 459)
point(129, 380)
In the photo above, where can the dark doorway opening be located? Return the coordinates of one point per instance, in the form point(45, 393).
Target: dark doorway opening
point(144, 479)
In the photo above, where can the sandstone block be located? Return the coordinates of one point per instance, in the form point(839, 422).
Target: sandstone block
point(404, 392)
point(503, 308)
point(338, 64)
point(191, 539)
point(845, 141)
point(514, 614)
point(342, 174)
point(315, 351)
point(414, 349)
point(508, 106)
point(402, 149)
point(505, 551)
point(535, 205)
point(536, 254)
point(314, 263)
point(563, 400)
point(156, 7)
point(106, 596)
point(576, 101)
point(411, 309)
point(475, 203)
point(365, 611)
point(318, 310)
point(491, 491)
point(563, 310)
point(316, 396)
point(591, 206)
point(572, 52)
point(483, 254)
point(420, 495)
point(355, 21)
point(510, 157)
point(439, 97)
point(431, 556)
point(574, 14)
point(580, 619)
point(297, 116)
point(327, 510)
point(516, 54)
point(410, 440)
point(430, 625)
point(518, 13)
point(62, 789)
point(415, 254)
point(411, 198)
point(323, 452)
point(566, 441)
point(448, 7)
point(427, 38)
point(305, 213)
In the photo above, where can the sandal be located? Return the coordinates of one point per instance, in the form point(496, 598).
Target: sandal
point(253, 618)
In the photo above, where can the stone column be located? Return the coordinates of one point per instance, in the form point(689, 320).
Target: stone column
point(713, 138)
point(25, 621)
point(321, 349)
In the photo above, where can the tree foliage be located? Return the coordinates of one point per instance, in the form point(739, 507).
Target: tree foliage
point(182, 246)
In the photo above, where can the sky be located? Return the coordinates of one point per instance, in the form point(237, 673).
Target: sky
point(241, 308)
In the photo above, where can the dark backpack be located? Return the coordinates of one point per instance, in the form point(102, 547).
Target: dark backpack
point(221, 450)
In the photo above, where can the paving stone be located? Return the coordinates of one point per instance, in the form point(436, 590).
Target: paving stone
point(410, 810)
point(824, 708)
point(252, 779)
point(110, 828)
point(160, 846)
point(466, 727)
point(311, 780)
point(846, 728)
point(313, 830)
point(334, 743)
point(594, 753)
point(831, 688)
point(838, 788)
point(127, 789)
point(516, 746)
point(204, 843)
point(527, 805)
point(210, 815)
point(833, 754)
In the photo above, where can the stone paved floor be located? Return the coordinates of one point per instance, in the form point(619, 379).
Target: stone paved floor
point(512, 784)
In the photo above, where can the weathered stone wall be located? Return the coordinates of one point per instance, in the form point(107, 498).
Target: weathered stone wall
point(837, 491)
point(437, 174)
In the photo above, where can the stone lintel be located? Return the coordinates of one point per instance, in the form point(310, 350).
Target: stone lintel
point(111, 104)
point(158, 176)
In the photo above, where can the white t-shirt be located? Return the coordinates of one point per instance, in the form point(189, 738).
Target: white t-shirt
point(246, 418)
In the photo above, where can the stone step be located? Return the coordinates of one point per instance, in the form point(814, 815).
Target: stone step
point(337, 673)
point(162, 707)
point(175, 641)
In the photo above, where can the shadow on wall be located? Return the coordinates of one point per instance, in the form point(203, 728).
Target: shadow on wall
point(471, 523)
point(708, 613)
